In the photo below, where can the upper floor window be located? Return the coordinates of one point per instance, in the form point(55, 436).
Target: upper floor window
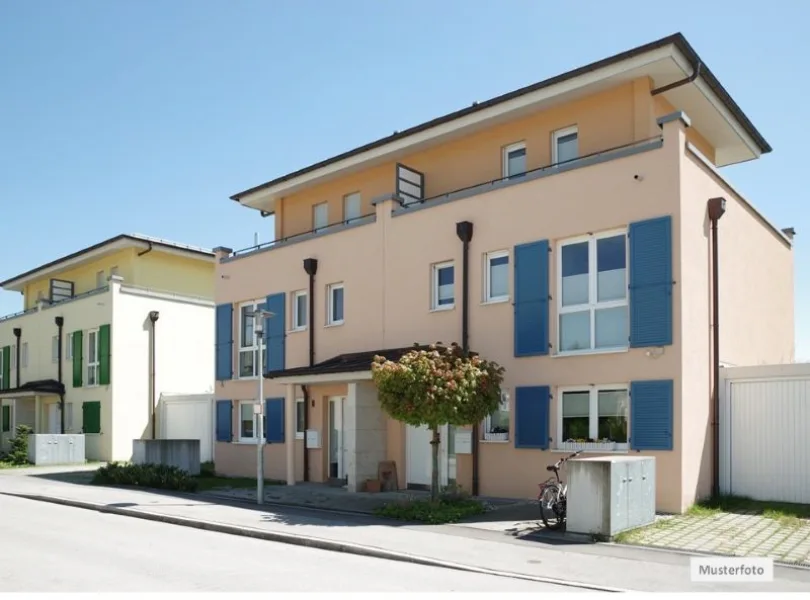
point(335, 309)
point(443, 292)
point(69, 346)
point(13, 361)
point(514, 160)
point(24, 355)
point(55, 349)
point(592, 292)
point(248, 345)
point(299, 310)
point(100, 279)
point(594, 415)
point(114, 271)
point(3, 384)
point(92, 357)
point(351, 207)
point(496, 276)
point(320, 216)
point(564, 145)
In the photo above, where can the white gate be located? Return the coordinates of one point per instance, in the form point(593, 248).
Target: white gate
point(765, 433)
point(188, 417)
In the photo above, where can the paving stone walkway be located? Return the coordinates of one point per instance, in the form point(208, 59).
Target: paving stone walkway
point(738, 534)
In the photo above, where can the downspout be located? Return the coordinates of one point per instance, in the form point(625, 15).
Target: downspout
point(153, 317)
point(464, 231)
point(311, 268)
point(716, 209)
point(60, 322)
point(671, 86)
point(18, 334)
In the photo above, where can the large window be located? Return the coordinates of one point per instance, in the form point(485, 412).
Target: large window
point(564, 145)
point(248, 345)
point(496, 276)
point(69, 346)
point(247, 421)
point(594, 417)
point(300, 408)
point(496, 425)
point(299, 310)
point(514, 160)
point(592, 293)
point(92, 357)
point(351, 207)
point(443, 286)
point(335, 296)
point(55, 349)
point(320, 216)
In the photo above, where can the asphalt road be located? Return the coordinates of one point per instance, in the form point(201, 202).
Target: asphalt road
point(51, 548)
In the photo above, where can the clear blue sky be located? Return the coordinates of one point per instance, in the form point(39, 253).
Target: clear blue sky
point(145, 116)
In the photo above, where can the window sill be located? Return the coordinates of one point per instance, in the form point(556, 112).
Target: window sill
point(622, 350)
point(335, 324)
point(299, 435)
point(440, 309)
point(297, 330)
point(251, 378)
point(246, 442)
point(617, 451)
point(483, 441)
point(495, 301)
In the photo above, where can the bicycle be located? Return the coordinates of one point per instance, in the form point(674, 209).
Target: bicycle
point(553, 496)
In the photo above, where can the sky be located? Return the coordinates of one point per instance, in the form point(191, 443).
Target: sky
point(145, 116)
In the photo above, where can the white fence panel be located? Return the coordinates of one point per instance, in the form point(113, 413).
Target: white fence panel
point(188, 417)
point(765, 436)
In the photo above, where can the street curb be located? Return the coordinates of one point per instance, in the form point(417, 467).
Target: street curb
point(308, 541)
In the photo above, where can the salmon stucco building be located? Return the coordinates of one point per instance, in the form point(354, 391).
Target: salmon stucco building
point(563, 230)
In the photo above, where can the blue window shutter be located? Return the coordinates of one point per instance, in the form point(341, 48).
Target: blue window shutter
point(224, 421)
point(274, 332)
point(224, 342)
point(651, 415)
point(651, 282)
point(532, 416)
point(274, 420)
point(531, 299)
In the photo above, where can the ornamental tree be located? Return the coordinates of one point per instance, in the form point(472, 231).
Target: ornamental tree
point(438, 386)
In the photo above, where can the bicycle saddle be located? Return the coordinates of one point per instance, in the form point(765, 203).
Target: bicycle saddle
point(551, 468)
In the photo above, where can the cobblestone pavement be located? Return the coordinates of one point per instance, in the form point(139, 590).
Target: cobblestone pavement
point(739, 534)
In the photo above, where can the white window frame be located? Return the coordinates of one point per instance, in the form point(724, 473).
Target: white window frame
point(315, 208)
point(593, 419)
point(245, 439)
point(100, 279)
point(54, 349)
point(592, 304)
point(555, 137)
point(488, 258)
point(94, 365)
point(346, 199)
point(434, 285)
point(114, 271)
point(296, 325)
point(299, 433)
point(252, 347)
point(69, 346)
point(24, 356)
point(486, 428)
point(330, 291)
point(507, 150)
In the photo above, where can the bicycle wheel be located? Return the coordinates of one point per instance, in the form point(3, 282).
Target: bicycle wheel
point(551, 511)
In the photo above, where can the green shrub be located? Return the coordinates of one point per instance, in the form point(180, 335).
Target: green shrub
point(18, 455)
point(152, 476)
point(207, 469)
point(435, 512)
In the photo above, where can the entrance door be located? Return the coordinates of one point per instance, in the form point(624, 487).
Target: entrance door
point(337, 449)
point(419, 458)
point(54, 419)
point(6, 424)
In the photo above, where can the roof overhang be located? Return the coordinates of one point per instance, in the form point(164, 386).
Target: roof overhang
point(324, 378)
point(93, 253)
point(711, 109)
point(43, 387)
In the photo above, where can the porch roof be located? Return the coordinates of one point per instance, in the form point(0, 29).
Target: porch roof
point(343, 367)
point(41, 387)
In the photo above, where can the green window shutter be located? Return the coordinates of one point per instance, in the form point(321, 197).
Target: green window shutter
point(6, 418)
point(78, 345)
point(91, 417)
point(104, 355)
point(6, 366)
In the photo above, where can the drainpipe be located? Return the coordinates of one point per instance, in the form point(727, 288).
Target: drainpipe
point(60, 322)
point(716, 208)
point(672, 86)
point(311, 268)
point(153, 317)
point(464, 231)
point(18, 334)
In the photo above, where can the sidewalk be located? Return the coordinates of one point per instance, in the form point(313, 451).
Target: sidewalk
point(598, 565)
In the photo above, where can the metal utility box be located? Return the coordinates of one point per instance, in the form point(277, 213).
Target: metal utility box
point(56, 449)
point(610, 494)
point(183, 454)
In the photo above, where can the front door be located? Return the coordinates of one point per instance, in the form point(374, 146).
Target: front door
point(337, 450)
point(54, 419)
point(6, 424)
point(419, 458)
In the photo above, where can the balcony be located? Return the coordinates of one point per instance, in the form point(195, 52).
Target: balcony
point(45, 304)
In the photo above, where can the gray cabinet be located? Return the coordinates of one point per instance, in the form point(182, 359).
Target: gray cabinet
point(56, 449)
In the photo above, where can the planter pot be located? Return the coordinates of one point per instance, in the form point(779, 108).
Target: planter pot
point(373, 486)
point(589, 446)
point(496, 437)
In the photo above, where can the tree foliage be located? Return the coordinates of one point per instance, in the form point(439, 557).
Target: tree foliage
point(438, 386)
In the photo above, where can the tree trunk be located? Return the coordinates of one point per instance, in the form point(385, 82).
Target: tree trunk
point(434, 479)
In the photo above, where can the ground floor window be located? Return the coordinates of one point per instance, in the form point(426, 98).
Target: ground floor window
point(593, 417)
point(247, 421)
point(300, 410)
point(496, 425)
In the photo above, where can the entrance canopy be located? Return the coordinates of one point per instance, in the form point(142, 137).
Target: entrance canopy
point(42, 387)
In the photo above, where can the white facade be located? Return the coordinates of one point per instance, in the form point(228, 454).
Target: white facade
point(184, 351)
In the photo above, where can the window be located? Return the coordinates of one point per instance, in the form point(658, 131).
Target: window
point(92, 357)
point(299, 310)
point(68, 416)
point(564, 145)
point(514, 160)
point(320, 216)
point(247, 421)
point(496, 277)
point(69, 346)
point(496, 425)
point(592, 292)
point(248, 346)
point(13, 360)
point(55, 349)
point(100, 279)
point(351, 207)
point(335, 308)
point(2, 371)
point(594, 418)
point(6, 412)
point(113, 271)
point(24, 355)
point(300, 409)
point(443, 296)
